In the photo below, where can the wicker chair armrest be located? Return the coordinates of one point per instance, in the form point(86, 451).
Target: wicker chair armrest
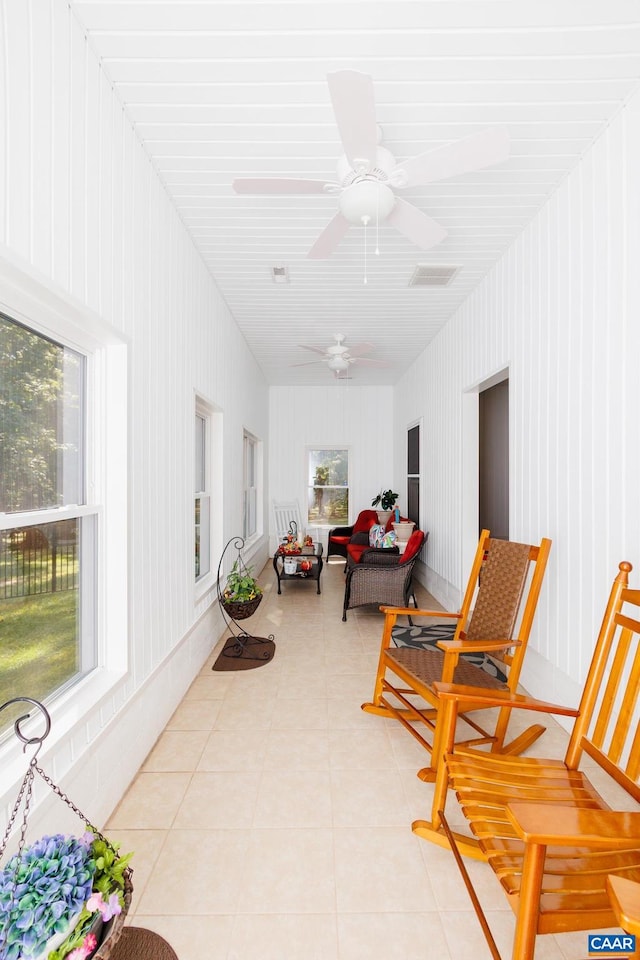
point(380, 557)
point(341, 532)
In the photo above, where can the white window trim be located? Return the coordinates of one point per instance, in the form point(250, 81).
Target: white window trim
point(313, 525)
point(33, 301)
point(213, 468)
point(259, 453)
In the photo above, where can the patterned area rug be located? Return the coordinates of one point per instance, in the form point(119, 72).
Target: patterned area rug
point(426, 638)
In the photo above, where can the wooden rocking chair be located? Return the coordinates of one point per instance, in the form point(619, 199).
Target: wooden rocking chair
point(485, 649)
point(547, 833)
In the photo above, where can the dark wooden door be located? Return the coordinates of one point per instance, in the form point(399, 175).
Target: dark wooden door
point(494, 460)
point(413, 474)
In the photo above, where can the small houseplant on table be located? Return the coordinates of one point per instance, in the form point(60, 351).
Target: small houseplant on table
point(387, 500)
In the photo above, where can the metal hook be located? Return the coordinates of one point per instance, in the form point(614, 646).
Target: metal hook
point(29, 741)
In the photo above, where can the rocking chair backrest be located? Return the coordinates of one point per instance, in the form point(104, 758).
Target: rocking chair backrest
point(503, 568)
point(284, 512)
point(607, 727)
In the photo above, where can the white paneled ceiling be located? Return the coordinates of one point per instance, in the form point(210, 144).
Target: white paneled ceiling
point(219, 90)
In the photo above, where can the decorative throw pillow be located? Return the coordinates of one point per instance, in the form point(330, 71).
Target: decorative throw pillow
point(378, 538)
point(376, 533)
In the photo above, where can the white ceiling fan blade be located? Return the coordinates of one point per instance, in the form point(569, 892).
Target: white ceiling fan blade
point(307, 346)
point(415, 225)
point(473, 153)
point(329, 238)
point(368, 362)
point(362, 348)
point(278, 185)
point(307, 363)
point(354, 107)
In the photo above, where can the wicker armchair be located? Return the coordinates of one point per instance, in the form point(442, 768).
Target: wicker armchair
point(383, 576)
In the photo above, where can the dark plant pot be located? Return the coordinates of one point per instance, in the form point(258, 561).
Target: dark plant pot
point(241, 609)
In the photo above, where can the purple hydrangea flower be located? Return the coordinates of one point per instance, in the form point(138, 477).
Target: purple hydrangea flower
point(40, 891)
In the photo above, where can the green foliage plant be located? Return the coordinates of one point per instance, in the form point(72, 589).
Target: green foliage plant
point(386, 499)
point(240, 585)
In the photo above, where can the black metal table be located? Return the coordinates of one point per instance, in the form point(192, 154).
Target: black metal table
point(313, 573)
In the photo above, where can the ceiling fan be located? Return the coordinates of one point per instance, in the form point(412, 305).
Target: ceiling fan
point(368, 174)
point(339, 357)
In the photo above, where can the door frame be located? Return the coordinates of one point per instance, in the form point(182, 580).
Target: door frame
point(470, 484)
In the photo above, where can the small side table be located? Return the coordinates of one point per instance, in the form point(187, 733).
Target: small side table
point(313, 573)
point(138, 943)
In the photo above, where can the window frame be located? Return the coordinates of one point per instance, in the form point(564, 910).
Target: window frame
point(202, 493)
point(313, 448)
point(51, 313)
point(250, 440)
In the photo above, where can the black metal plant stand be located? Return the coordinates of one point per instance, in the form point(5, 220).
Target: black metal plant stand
point(241, 645)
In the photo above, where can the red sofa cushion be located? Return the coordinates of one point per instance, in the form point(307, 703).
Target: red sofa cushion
point(365, 520)
point(414, 543)
point(340, 539)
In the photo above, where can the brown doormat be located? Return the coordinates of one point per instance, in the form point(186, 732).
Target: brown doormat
point(245, 653)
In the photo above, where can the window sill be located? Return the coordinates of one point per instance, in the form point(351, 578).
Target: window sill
point(203, 587)
point(72, 707)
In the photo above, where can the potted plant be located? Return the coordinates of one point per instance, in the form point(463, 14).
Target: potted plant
point(242, 594)
point(57, 894)
point(387, 500)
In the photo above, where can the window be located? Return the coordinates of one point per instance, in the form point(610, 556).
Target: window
point(413, 474)
point(202, 491)
point(48, 531)
point(328, 486)
point(251, 484)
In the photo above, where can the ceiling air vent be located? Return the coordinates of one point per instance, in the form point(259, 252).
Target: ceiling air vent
point(279, 274)
point(432, 275)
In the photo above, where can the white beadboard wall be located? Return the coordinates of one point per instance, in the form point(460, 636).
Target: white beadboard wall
point(360, 418)
point(561, 311)
point(81, 203)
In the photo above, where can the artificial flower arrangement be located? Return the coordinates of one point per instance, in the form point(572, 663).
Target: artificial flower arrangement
point(56, 894)
point(290, 545)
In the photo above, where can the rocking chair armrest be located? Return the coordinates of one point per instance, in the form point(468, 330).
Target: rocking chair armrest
point(498, 698)
point(565, 826)
point(625, 899)
point(443, 614)
point(476, 646)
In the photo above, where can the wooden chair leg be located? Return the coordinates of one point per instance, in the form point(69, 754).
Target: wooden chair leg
point(524, 943)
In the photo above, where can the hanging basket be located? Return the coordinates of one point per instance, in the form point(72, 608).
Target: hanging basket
point(106, 933)
point(113, 929)
point(241, 609)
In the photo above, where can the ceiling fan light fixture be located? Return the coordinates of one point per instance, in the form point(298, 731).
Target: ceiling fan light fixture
point(366, 201)
point(338, 363)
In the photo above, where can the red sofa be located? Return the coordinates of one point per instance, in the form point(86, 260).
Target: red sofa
point(340, 537)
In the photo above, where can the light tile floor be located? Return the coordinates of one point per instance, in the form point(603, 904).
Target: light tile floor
point(272, 819)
